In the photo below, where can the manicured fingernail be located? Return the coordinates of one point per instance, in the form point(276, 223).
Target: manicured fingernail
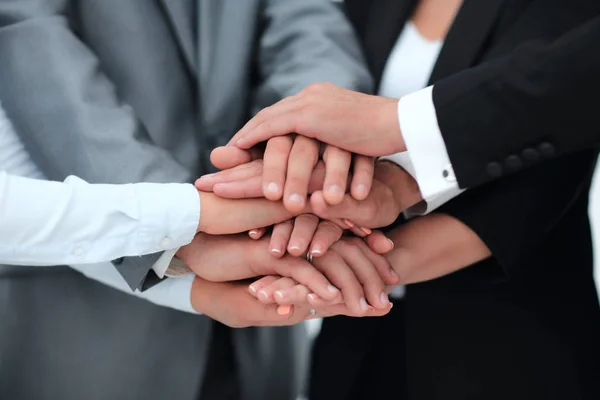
point(371, 308)
point(207, 176)
point(284, 310)
point(263, 294)
point(275, 251)
point(313, 297)
point(240, 142)
point(384, 298)
point(296, 198)
point(391, 305)
point(252, 289)
point(363, 304)
point(332, 289)
point(279, 294)
point(272, 187)
point(366, 230)
point(391, 242)
point(253, 233)
point(349, 223)
point(316, 251)
point(294, 248)
point(335, 189)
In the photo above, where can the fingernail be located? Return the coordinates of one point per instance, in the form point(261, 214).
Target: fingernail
point(263, 294)
point(296, 198)
point(391, 305)
point(394, 273)
point(371, 308)
point(363, 304)
point(313, 297)
point(253, 233)
point(335, 189)
point(366, 230)
point(316, 251)
point(284, 310)
point(272, 187)
point(349, 223)
point(240, 142)
point(294, 248)
point(252, 289)
point(332, 289)
point(384, 298)
point(279, 294)
point(275, 251)
point(362, 190)
point(207, 176)
point(391, 243)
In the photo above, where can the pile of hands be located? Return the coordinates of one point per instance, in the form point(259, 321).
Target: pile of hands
point(287, 228)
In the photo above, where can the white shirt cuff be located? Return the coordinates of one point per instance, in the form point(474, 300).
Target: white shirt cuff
point(426, 158)
point(170, 214)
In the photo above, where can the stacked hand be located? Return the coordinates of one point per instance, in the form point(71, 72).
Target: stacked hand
point(299, 198)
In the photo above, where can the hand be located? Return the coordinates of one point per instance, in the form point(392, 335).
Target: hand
point(352, 121)
point(288, 163)
point(393, 191)
point(221, 216)
point(349, 257)
point(306, 233)
point(233, 258)
point(231, 304)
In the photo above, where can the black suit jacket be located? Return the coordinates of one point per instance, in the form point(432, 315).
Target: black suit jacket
point(525, 323)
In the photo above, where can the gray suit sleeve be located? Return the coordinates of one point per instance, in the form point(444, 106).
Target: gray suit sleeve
point(67, 111)
point(304, 42)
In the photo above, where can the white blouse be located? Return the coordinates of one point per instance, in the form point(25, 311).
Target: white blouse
point(407, 70)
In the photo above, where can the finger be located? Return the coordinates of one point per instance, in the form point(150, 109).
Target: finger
point(343, 309)
point(316, 302)
point(362, 177)
point(265, 281)
point(227, 157)
point(337, 270)
point(379, 243)
point(250, 188)
point(266, 294)
point(275, 166)
point(296, 295)
point(302, 272)
point(385, 270)
point(326, 235)
point(280, 238)
point(281, 108)
point(239, 173)
point(337, 162)
point(356, 230)
point(366, 272)
point(256, 233)
point(305, 226)
point(303, 158)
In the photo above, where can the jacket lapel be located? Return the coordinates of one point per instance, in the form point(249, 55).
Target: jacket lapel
point(467, 37)
point(178, 12)
point(385, 20)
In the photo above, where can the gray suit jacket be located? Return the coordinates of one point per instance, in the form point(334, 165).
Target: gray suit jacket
point(125, 91)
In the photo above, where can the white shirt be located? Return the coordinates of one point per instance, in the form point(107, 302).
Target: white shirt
point(86, 226)
point(407, 72)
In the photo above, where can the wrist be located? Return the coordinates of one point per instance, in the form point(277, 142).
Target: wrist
point(392, 127)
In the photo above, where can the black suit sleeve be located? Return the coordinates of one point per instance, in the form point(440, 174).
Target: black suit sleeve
point(537, 103)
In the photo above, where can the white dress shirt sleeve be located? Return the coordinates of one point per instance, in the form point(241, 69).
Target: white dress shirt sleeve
point(426, 158)
point(54, 223)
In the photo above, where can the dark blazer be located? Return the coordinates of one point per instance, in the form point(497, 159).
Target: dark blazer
point(521, 325)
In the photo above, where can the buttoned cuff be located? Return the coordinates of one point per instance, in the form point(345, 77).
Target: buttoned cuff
point(426, 158)
point(169, 216)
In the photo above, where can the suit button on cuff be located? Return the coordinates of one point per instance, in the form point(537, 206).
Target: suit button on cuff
point(448, 174)
point(494, 169)
point(513, 163)
point(546, 149)
point(531, 155)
